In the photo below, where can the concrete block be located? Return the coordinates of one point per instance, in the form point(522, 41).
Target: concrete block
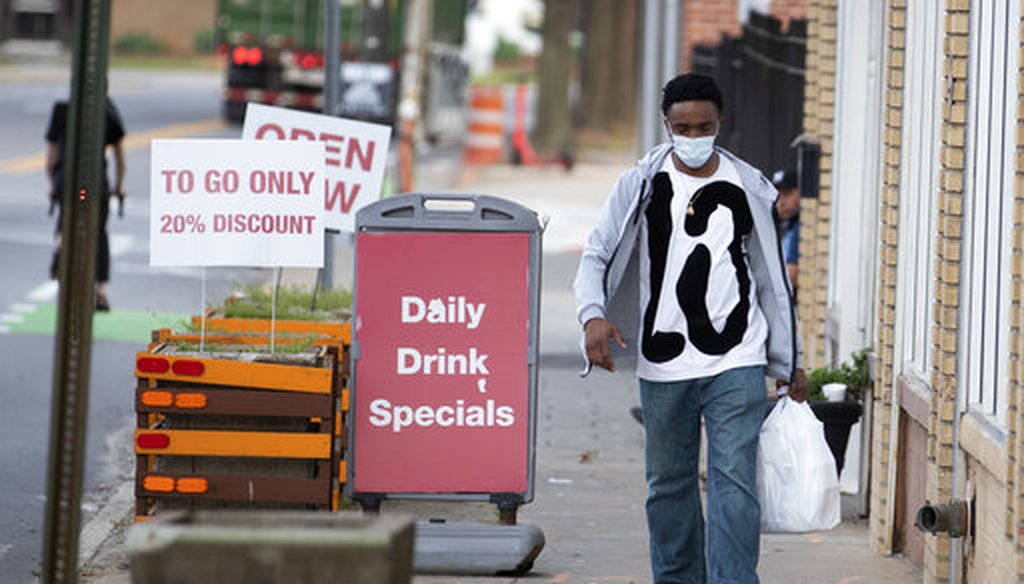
point(476, 548)
point(272, 547)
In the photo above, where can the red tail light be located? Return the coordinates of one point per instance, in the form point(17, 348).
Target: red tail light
point(247, 55)
point(305, 60)
point(148, 441)
point(152, 365)
point(188, 367)
point(240, 55)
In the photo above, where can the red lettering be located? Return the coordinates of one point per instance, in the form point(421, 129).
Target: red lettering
point(365, 156)
point(331, 149)
point(270, 127)
point(332, 197)
point(299, 133)
point(185, 180)
point(168, 179)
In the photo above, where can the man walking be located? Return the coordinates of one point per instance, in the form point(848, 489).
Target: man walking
point(687, 245)
point(787, 207)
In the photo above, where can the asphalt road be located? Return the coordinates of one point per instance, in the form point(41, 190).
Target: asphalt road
point(153, 104)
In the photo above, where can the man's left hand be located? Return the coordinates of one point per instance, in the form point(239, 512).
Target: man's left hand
point(798, 389)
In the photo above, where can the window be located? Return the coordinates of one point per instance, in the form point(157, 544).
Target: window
point(988, 210)
point(919, 166)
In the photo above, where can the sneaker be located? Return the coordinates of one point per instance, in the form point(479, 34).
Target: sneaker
point(101, 303)
point(637, 414)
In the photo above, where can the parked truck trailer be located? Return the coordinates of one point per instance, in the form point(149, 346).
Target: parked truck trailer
point(274, 49)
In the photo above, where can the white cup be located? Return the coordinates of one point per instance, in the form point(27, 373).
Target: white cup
point(834, 392)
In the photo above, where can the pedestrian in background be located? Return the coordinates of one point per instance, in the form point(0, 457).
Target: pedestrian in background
point(691, 225)
point(56, 135)
point(787, 206)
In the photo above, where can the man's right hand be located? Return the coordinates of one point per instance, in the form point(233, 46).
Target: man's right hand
point(598, 333)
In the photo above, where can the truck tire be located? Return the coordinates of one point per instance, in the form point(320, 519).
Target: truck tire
point(234, 111)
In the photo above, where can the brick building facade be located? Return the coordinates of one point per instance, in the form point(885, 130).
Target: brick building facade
point(940, 138)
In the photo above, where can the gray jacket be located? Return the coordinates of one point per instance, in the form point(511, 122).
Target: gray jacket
point(607, 281)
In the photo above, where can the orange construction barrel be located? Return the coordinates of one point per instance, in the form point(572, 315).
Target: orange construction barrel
point(485, 133)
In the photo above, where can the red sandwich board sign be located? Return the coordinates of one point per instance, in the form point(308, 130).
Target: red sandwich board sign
point(444, 350)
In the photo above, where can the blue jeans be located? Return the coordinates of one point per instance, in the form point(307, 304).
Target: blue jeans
point(732, 404)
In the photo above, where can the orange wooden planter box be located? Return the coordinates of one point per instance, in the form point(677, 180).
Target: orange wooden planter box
point(241, 428)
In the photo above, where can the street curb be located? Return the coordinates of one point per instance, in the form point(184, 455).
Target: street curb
point(99, 529)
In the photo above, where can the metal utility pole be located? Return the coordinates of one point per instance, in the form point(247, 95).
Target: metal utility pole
point(80, 200)
point(332, 83)
point(649, 77)
point(660, 60)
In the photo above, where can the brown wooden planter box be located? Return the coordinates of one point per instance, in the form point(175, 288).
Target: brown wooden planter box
point(240, 429)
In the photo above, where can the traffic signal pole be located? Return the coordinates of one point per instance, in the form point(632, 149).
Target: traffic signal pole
point(80, 200)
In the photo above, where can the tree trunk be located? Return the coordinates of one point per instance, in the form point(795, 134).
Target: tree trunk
point(626, 79)
point(609, 69)
point(553, 130)
point(596, 70)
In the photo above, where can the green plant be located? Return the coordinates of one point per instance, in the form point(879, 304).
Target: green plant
point(506, 51)
point(292, 348)
point(855, 375)
point(205, 42)
point(293, 302)
point(139, 43)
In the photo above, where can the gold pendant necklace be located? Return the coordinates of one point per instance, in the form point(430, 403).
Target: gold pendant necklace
point(693, 199)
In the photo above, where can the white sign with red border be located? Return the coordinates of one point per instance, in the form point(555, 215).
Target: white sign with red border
point(236, 203)
point(354, 155)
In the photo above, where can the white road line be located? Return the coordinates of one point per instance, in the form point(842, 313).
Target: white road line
point(11, 318)
point(45, 292)
point(23, 307)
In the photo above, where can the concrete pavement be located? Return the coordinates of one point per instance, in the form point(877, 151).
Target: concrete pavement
point(589, 487)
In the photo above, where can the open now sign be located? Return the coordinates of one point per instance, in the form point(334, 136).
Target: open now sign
point(353, 154)
point(443, 380)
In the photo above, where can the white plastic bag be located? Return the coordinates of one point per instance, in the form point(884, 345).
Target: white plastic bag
point(796, 474)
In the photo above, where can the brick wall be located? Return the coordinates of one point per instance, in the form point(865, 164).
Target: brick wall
point(175, 23)
point(704, 23)
point(819, 122)
point(945, 338)
point(786, 10)
point(881, 505)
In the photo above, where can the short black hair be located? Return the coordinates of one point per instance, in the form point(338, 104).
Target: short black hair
point(690, 87)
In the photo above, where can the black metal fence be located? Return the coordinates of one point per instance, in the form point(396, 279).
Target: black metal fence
point(761, 75)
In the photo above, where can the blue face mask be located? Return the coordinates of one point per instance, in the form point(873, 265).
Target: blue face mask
point(694, 152)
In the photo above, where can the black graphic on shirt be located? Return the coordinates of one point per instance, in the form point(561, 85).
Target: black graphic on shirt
point(659, 347)
point(692, 284)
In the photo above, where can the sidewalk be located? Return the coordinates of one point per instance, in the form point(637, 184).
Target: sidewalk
point(589, 487)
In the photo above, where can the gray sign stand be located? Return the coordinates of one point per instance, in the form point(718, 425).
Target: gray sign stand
point(458, 548)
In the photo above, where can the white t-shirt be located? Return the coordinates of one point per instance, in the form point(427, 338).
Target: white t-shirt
point(697, 325)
